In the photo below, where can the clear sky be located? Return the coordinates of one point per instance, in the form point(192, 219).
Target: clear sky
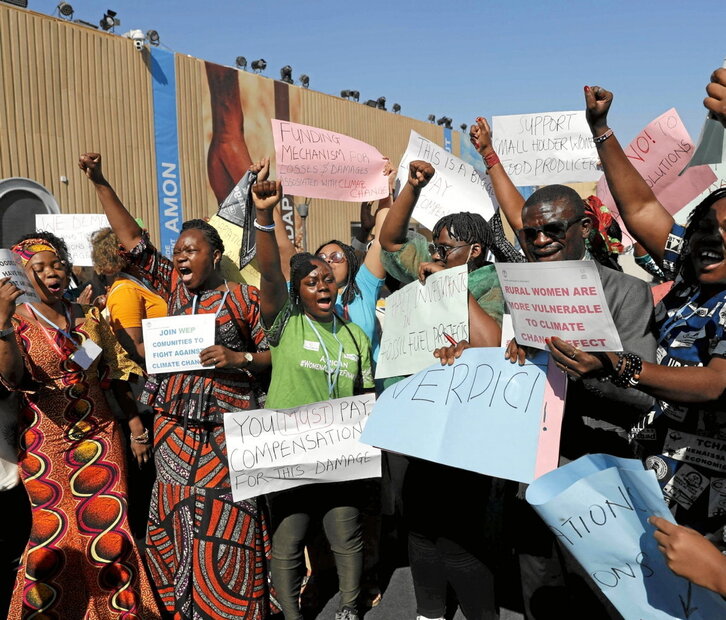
point(458, 58)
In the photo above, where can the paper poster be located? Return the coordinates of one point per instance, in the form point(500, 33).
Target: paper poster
point(559, 298)
point(483, 414)
point(597, 507)
point(76, 230)
point(659, 153)
point(541, 149)
point(456, 186)
point(719, 171)
point(417, 317)
point(276, 449)
point(173, 343)
point(12, 267)
point(318, 163)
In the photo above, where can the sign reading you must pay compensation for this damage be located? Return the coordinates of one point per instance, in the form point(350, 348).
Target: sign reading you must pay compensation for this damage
point(276, 449)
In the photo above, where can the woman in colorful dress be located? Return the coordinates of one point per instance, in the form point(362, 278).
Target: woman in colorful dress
point(81, 559)
point(207, 554)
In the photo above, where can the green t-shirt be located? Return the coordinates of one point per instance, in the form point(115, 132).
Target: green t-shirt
point(299, 375)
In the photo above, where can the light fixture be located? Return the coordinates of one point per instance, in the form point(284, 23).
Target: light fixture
point(152, 37)
point(109, 21)
point(431, 118)
point(381, 103)
point(372, 103)
point(241, 62)
point(286, 75)
point(345, 94)
point(445, 121)
point(463, 127)
point(396, 108)
point(355, 95)
point(259, 65)
point(305, 80)
point(65, 10)
point(23, 4)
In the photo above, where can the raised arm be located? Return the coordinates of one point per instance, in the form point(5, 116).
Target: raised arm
point(126, 228)
point(273, 286)
point(373, 256)
point(508, 196)
point(644, 216)
point(395, 228)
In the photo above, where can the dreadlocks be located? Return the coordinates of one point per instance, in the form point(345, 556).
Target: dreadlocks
point(470, 228)
point(351, 288)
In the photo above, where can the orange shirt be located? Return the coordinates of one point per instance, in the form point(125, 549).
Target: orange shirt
point(128, 303)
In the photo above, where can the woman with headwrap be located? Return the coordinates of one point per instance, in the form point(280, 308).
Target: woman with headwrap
point(81, 558)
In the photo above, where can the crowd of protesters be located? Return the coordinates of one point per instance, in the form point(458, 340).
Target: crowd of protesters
point(88, 536)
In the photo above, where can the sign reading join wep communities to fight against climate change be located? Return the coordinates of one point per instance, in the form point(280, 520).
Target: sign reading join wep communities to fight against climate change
point(563, 299)
point(318, 163)
point(173, 343)
point(541, 149)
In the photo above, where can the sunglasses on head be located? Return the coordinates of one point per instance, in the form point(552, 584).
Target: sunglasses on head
point(333, 257)
point(554, 230)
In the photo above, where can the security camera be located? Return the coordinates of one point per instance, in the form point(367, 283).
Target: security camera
point(138, 37)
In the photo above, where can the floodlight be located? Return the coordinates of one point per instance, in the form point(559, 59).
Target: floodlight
point(463, 127)
point(355, 95)
point(431, 118)
point(396, 108)
point(152, 37)
point(381, 103)
point(259, 65)
point(65, 10)
point(109, 20)
point(305, 80)
point(372, 103)
point(286, 75)
point(445, 121)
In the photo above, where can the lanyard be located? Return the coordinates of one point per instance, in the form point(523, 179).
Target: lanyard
point(127, 276)
point(332, 372)
point(37, 312)
point(673, 321)
point(221, 303)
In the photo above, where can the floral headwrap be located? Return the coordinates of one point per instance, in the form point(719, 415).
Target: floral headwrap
point(27, 248)
point(602, 218)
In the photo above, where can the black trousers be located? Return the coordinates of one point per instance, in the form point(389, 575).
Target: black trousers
point(15, 520)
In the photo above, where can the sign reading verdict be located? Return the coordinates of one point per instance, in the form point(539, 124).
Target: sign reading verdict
point(318, 163)
point(563, 299)
point(540, 149)
point(173, 343)
point(456, 186)
point(276, 449)
point(12, 267)
point(76, 230)
point(483, 414)
point(417, 317)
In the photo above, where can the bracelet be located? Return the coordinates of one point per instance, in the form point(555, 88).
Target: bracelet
point(631, 365)
point(264, 227)
point(143, 439)
point(359, 245)
point(491, 160)
point(603, 137)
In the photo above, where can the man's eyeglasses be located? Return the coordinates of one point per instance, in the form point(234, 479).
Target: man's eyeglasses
point(333, 257)
point(444, 250)
point(554, 230)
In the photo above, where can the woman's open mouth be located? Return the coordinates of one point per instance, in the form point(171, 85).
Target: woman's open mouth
point(325, 302)
point(54, 286)
point(710, 258)
point(185, 274)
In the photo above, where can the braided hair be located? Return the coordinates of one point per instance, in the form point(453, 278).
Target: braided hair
point(351, 288)
point(210, 233)
point(470, 228)
point(683, 266)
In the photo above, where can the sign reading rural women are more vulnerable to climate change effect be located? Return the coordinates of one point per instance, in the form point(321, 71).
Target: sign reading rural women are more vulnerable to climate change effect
point(456, 186)
point(273, 450)
point(173, 343)
point(318, 163)
point(417, 317)
point(563, 299)
point(540, 149)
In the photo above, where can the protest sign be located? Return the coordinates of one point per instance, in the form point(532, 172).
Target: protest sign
point(597, 507)
point(12, 267)
point(571, 306)
point(456, 186)
point(719, 171)
point(417, 317)
point(76, 230)
point(659, 153)
point(173, 343)
point(540, 149)
point(483, 414)
point(318, 163)
point(276, 449)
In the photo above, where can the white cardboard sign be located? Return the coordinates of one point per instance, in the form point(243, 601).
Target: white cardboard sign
point(76, 230)
point(173, 343)
point(12, 267)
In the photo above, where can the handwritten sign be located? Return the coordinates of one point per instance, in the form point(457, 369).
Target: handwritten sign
point(76, 230)
point(12, 267)
point(483, 414)
point(597, 507)
point(456, 186)
point(659, 153)
point(719, 171)
point(318, 163)
point(417, 317)
point(173, 343)
point(273, 450)
point(540, 149)
point(563, 299)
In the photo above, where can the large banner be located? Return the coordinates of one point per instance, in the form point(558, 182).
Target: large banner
point(456, 186)
point(540, 149)
point(597, 507)
point(659, 153)
point(417, 318)
point(76, 230)
point(276, 449)
point(483, 414)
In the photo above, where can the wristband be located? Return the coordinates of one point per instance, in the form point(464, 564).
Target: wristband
point(264, 227)
point(142, 439)
point(491, 160)
point(603, 137)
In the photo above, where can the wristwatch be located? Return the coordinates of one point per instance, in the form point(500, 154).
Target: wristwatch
point(4, 333)
point(248, 358)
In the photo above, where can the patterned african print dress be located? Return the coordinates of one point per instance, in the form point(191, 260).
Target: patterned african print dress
point(81, 560)
point(207, 554)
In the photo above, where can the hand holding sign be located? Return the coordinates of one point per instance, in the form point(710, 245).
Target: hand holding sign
point(9, 294)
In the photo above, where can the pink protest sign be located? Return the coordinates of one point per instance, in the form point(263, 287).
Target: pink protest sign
point(659, 153)
point(317, 163)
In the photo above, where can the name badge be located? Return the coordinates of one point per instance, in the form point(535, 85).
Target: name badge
point(311, 345)
point(86, 353)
